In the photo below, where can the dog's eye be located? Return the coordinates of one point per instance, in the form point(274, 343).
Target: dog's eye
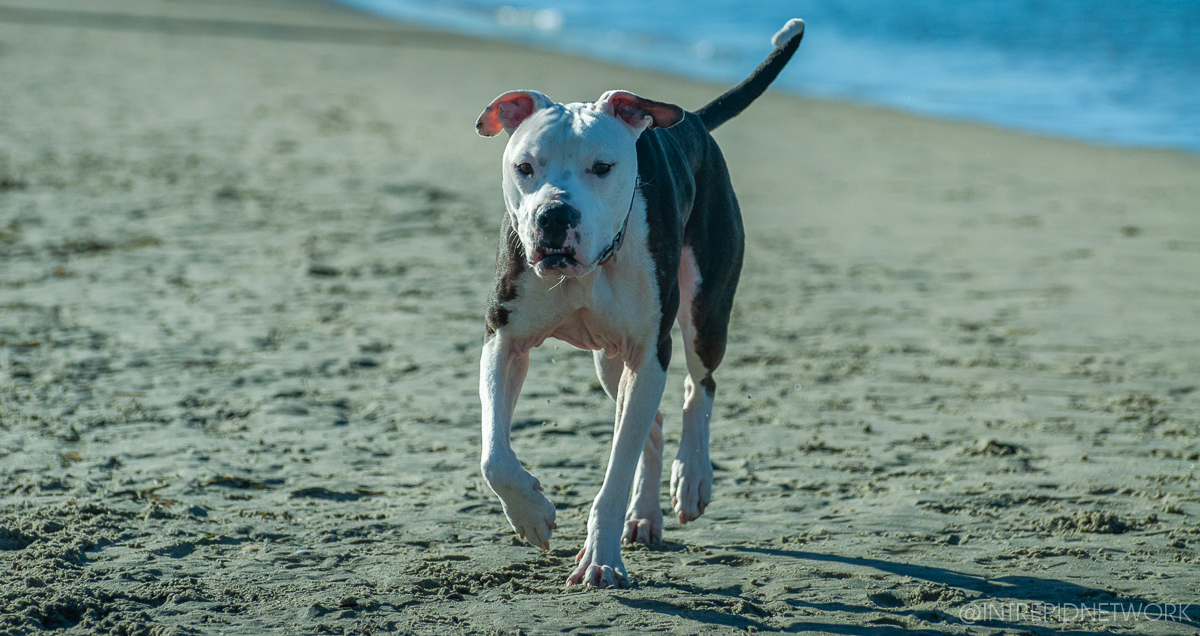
point(600, 168)
point(525, 168)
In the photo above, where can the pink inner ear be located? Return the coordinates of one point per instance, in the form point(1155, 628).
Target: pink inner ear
point(629, 113)
point(512, 113)
point(505, 113)
point(633, 110)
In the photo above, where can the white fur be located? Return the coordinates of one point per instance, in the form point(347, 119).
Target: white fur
point(562, 142)
point(691, 472)
point(613, 310)
point(502, 372)
point(794, 27)
point(644, 517)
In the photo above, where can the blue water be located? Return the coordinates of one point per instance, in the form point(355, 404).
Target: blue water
point(1120, 72)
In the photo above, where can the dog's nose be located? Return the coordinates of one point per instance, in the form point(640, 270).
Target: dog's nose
point(555, 219)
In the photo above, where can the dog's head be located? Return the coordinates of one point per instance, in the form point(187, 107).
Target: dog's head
point(569, 171)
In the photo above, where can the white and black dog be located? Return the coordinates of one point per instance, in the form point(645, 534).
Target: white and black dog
point(621, 218)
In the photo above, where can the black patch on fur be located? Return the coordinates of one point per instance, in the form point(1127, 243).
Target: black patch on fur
point(690, 201)
point(717, 239)
point(510, 263)
point(668, 195)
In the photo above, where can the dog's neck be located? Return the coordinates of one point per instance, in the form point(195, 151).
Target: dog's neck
point(611, 250)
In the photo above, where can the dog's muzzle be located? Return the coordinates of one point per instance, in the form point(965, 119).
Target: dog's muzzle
point(554, 224)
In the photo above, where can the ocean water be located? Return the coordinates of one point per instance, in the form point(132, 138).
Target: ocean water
point(1117, 72)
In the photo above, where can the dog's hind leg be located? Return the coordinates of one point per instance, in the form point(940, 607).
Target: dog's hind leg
point(691, 472)
point(704, 307)
point(639, 392)
point(644, 518)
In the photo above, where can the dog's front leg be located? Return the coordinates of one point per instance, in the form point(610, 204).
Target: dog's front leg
point(501, 373)
point(638, 397)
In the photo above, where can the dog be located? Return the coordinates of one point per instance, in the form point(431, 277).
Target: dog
point(621, 219)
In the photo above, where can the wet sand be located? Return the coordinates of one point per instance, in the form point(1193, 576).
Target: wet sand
point(244, 250)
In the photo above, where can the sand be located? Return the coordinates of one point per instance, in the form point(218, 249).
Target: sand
point(244, 250)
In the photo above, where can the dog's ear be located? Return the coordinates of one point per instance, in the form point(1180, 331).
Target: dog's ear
point(639, 113)
point(507, 111)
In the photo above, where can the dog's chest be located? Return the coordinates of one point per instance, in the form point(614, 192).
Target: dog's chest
point(625, 304)
point(617, 312)
point(599, 330)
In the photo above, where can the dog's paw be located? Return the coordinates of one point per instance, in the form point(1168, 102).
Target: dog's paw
point(599, 565)
point(532, 517)
point(529, 512)
point(643, 526)
point(691, 484)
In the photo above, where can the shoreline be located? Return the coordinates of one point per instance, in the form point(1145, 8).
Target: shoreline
point(241, 292)
point(360, 27)
point(1125, 127)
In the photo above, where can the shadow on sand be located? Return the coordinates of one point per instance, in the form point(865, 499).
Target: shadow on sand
point(879, 616)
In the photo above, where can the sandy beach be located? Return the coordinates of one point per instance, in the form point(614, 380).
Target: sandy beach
point(244, 252)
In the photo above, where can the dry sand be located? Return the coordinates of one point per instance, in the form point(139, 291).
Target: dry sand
point(244, 249)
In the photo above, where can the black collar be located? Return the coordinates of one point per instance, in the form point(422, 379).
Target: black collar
point(611, 250)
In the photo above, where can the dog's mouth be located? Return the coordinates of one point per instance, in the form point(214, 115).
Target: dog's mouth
point(550, 258)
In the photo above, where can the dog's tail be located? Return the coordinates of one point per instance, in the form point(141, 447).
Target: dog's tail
point(734, 101)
